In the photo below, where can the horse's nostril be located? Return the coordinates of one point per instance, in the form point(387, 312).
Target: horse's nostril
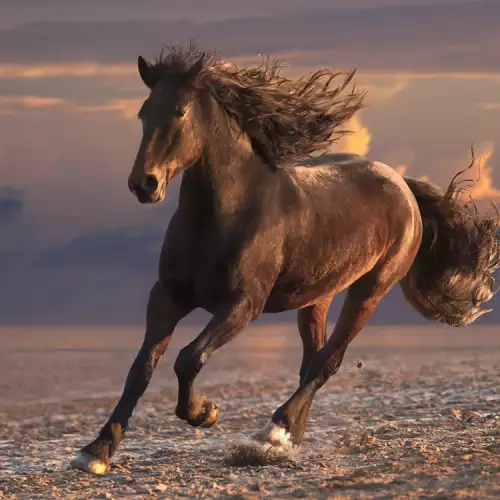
point(131, 186)
point(150, 185)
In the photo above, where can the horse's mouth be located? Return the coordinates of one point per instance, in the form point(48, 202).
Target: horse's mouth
point(160, 195)
point(156, 197)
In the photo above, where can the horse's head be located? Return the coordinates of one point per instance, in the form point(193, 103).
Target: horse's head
point(171, 130)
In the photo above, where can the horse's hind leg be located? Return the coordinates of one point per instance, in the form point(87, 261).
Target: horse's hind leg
point(312, 328)
point(163, 314)
point(363, 296)
point(311, 321)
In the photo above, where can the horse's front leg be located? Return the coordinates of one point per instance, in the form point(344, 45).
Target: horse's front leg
point(163, 314)
point(227, 322)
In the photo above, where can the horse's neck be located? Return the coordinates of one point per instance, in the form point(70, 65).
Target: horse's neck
point(217, 186)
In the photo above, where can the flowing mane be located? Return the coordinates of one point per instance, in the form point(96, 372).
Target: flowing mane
point(286, 120)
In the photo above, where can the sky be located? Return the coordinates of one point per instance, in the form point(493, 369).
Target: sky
point(76, 247)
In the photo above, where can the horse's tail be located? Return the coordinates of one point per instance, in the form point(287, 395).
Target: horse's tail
point(453, 272)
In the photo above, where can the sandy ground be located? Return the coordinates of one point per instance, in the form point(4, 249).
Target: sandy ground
point(413, 413)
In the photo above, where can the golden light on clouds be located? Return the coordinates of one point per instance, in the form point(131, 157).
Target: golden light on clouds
point(129, 107)
point(70, 69)
point(489, 106)
point(358, 142)
point(29, 101)
point(484, 187)
point(381, 87)
point(295, 64)
point(378, 91)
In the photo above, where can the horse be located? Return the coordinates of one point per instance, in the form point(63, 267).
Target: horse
point(269, 220)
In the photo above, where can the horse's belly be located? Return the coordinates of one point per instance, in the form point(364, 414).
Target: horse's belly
point(276, 304)
point(302, 287)
point(289, 295)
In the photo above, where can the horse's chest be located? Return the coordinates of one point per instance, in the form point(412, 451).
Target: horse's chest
point(204, 271)
point(211, 286)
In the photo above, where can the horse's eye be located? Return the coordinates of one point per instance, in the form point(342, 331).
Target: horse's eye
point(180, 112)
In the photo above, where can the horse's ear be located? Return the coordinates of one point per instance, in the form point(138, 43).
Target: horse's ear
point(146, 73)
point(194, 70)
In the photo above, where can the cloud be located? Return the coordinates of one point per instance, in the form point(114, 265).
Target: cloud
point(11, 205)
point(489, 106)
point(357, 142)
point(17, 11)
point(97, 277)
point(484, 187)
point(10, 209)
point(382, 87)
point(74, 69)
point(388, 38)
point(126, 248)
point(30, 101)
point(129, 107)
point(402, 170)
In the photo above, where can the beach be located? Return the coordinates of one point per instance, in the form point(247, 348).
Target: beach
point(414, 412)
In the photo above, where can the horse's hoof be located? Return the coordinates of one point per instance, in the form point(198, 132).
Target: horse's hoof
point(276, 436)
point(88, 463)
point(211, 415)
point(207, 417)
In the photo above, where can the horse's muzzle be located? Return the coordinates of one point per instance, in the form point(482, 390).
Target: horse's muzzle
point(150, 190)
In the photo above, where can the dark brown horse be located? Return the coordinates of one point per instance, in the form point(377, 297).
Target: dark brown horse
point(259, 228)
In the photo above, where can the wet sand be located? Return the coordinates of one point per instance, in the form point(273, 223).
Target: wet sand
point(413, 413)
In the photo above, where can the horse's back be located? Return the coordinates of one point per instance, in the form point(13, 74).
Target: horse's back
point(343, 172)
point(333, 159)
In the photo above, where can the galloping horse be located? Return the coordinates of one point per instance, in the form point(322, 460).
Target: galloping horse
point(264, 226)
